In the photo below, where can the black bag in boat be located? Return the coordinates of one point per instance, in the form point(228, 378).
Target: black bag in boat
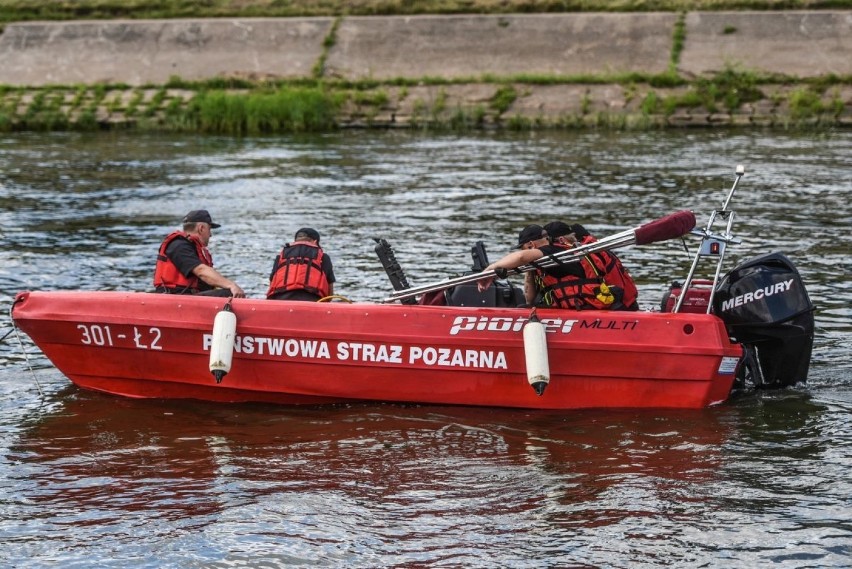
point(501, 293)
point(765, 306)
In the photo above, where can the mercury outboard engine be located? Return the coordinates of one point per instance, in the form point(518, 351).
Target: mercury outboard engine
point(766, 308)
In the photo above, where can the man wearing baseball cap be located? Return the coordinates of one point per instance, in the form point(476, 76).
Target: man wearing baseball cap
point(533, 244)
point(185, 265)
point(601, 267)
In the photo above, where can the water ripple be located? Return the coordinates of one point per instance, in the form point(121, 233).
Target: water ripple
point(90, 479)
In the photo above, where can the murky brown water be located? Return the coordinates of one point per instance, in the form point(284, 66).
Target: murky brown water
point(91, 480)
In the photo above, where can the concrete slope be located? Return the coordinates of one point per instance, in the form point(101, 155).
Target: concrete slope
point(138, 52)
point(456, 47)
point(799, 44)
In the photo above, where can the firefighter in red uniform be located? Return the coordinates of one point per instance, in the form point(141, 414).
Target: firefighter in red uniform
point(185, 265)
point(302, 270)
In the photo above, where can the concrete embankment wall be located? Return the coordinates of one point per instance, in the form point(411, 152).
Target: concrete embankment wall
point(461, 48)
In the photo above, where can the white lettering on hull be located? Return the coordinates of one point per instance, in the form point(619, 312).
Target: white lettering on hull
point(264, 346)
point(448, 357)
point(365, 352)
point(379, 353)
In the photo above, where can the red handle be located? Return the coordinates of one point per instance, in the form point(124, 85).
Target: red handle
point(673, 225)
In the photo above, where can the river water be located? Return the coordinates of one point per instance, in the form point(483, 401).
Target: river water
point(89, 480)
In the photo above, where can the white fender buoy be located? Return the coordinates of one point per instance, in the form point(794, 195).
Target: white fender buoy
point(535, 350)
point(222, 347)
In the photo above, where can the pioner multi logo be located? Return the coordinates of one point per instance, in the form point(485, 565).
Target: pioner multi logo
point(506, 324)
point(758, 294)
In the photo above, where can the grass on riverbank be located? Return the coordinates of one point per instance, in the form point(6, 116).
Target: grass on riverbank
point(282, 110)
point(27, 10)
point(239, 107)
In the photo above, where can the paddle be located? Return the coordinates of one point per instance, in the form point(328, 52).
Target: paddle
point(673, 225)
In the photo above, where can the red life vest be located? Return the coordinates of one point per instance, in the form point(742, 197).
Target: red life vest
point(166, 273)
point(299, 267)
point(573, 292)
point(615, 274)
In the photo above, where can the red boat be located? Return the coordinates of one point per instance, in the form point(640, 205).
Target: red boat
point(151, 345)
point(754, 326)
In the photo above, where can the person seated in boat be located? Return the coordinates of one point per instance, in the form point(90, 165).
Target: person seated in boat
point(533, 244)
point(601, 264)
point(571, 285)
point(185, 265)
point(302, 270)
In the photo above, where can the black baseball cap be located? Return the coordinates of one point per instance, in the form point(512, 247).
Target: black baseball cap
point(308, 232)
point(558, 229)
point(200, 216)
point(579, 231)
point(530, 233)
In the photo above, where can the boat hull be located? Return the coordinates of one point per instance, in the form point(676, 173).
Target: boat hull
point(157, 346)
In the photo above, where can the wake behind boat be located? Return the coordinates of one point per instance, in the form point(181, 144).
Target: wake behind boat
point(752, 326)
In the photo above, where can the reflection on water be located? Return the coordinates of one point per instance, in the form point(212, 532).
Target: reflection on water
point(89, 479)
point(391, 485)
point(404, 478)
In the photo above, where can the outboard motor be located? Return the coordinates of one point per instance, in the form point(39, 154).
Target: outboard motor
point(766, 308)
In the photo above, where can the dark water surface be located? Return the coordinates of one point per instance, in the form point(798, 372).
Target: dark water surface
point(88, 480)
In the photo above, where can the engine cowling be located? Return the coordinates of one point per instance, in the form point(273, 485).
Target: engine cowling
point(766, 307)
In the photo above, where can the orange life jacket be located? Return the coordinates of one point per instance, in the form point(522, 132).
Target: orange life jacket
point(615, 274)
point(299, 267)
point(573, 292)
point(166, 273)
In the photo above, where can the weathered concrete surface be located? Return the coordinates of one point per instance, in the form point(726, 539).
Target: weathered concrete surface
point(138, 52)
point(455, 47)
point(467, 48)
point(799, 44)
